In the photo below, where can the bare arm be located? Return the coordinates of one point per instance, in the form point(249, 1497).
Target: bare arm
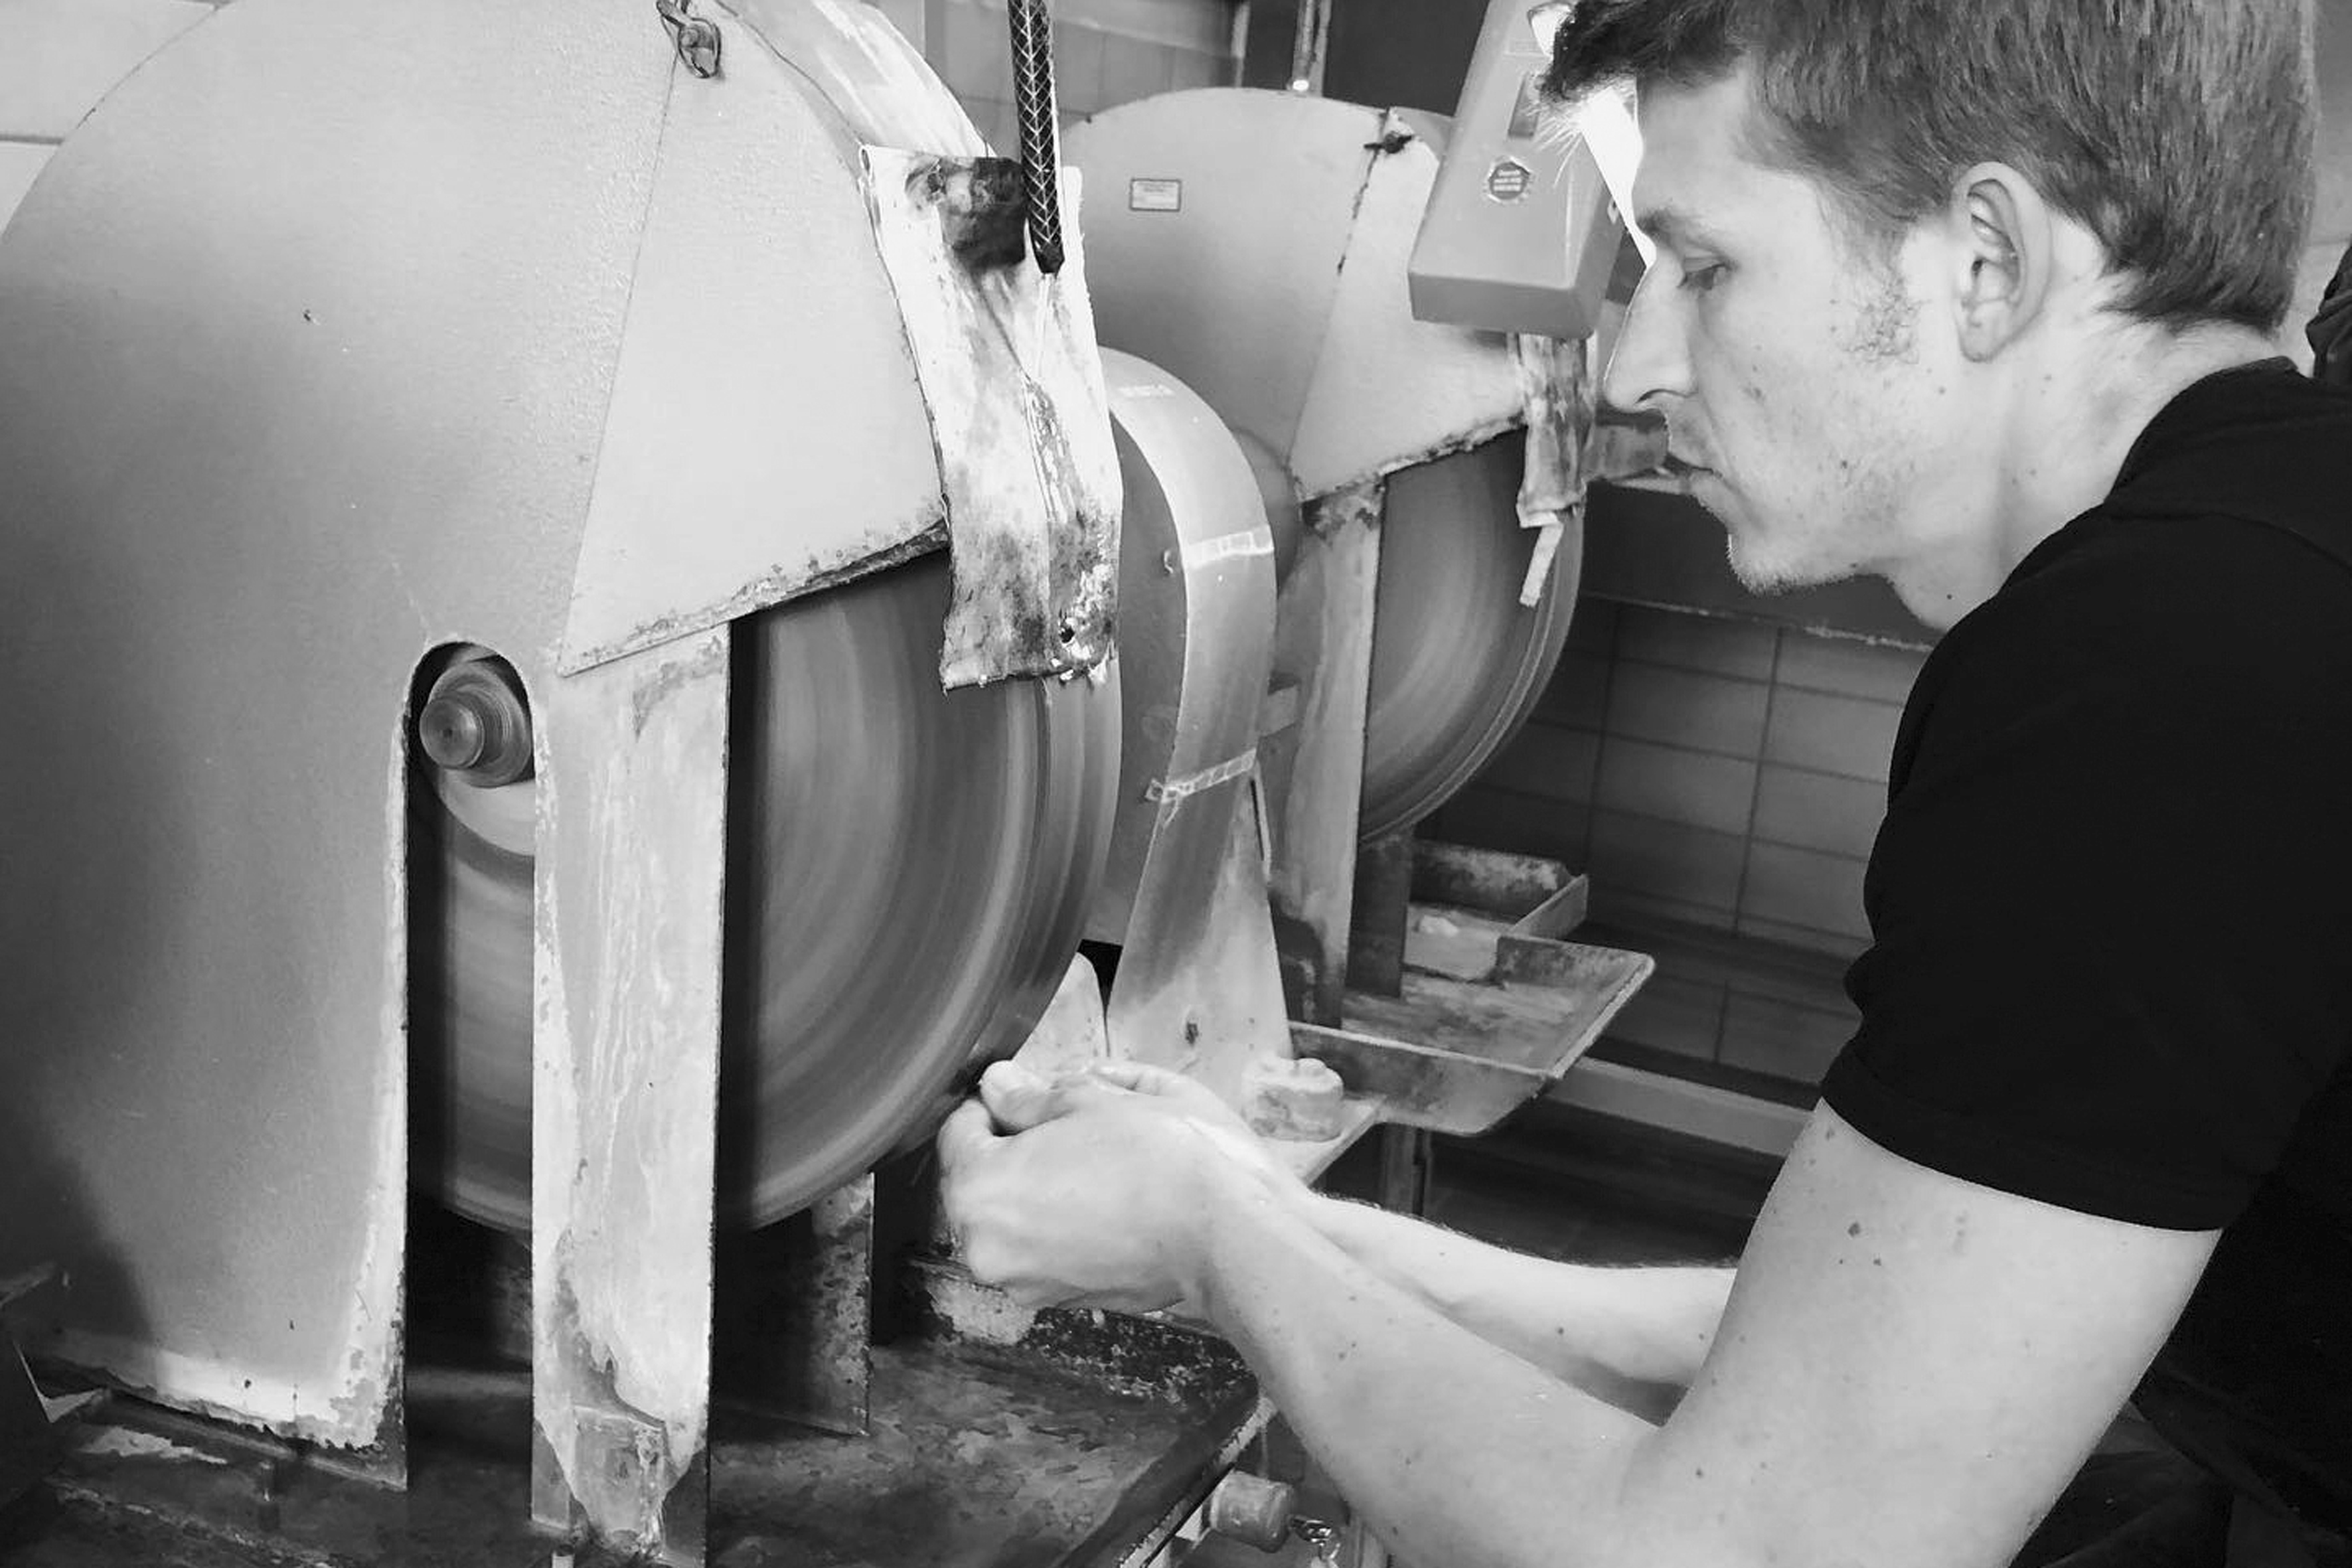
point(1908, 1371)
point(1625, 1334)
point(1634, 1337)
point(1909, 1368)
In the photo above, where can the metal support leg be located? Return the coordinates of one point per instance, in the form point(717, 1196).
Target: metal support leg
point(1382, 906)
point(1407, 1157)
point(632, 850)
point(796, 1313)
point(1323, 642)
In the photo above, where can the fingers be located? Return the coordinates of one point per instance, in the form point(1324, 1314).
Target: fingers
point(1140, 1077)
point(965, 1133)
point(1017, 1098)
point(1020, 1098)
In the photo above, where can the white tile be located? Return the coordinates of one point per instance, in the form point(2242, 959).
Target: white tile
point(1839, 945)
point(1545, 760)
point(1697, 787)
point(1843, 735)
point(1848, 668)
point(1804, 887)
point(1613, 904)
point(1578, 693)
point(1645, 856)
point(1493, 818)
point(1685, 708)
point(1807, 810)
point(1710, 643)
point(1593, 627)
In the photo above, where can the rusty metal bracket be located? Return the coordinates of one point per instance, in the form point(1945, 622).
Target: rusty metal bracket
point(697, 39)
point(1477, 1026)
point(1020, 419)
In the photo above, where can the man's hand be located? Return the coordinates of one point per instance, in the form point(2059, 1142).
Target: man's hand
point(1018, 1100)
point(1098, 1189)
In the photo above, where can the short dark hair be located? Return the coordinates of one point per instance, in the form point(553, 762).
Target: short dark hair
point(2179, 131)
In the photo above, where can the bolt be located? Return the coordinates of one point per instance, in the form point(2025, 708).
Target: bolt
point(476, 723)
point(1252, 1508)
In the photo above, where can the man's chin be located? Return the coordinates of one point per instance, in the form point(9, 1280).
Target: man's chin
point(1760, 573)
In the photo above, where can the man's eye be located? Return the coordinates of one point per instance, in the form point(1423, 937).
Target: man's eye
point(1702, 279)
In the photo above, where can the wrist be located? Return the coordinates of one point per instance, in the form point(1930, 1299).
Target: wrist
point(1231, 1208)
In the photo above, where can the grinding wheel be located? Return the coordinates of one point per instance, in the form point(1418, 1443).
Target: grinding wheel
point(909, 871)
point(1457, 663)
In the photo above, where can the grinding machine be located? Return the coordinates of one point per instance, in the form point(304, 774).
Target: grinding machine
point(563, 565)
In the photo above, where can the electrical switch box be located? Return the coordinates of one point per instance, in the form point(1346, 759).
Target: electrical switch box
point(1520, 235)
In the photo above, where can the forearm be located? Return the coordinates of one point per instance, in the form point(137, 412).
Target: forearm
point(1455, 1450)
point(1601, 1328)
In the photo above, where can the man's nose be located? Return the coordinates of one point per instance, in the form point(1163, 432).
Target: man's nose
point(1650, 364)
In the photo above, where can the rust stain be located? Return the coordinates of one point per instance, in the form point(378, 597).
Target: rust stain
point(1020, 422)
point(619, 1463)
point(882, 549)
point(1356, 506)
point(672, 677)
point(1460, 441)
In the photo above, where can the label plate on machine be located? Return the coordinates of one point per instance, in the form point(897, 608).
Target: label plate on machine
point(1155, 195)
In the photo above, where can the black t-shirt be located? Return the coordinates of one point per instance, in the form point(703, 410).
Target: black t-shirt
point(2111, 906)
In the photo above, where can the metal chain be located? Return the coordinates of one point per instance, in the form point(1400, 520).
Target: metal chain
point(1034, 106)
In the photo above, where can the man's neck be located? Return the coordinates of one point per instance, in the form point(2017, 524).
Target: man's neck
point(2068, 430)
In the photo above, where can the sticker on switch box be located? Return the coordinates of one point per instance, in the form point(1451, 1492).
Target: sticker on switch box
point(1509, 181)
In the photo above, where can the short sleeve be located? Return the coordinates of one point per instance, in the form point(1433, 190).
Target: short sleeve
point(2111, 902)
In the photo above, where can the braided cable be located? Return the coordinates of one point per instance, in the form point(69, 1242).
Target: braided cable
point(1033, 105)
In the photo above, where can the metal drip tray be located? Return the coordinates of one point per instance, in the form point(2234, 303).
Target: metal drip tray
point(1494, 1004)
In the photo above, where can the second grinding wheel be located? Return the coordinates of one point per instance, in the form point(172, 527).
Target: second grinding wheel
point(1457, 662)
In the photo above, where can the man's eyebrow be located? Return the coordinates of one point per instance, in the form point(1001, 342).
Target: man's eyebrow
point(1671, 226)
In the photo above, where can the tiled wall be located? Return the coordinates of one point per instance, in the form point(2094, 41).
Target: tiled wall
point(1719, 778)
point(1106, 52)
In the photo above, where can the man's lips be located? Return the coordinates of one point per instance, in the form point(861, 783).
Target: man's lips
point(1684, 472)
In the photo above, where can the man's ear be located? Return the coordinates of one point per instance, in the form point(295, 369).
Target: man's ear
point(2003, 256)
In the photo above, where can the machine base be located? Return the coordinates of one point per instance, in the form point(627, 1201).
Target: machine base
point(977, 1456)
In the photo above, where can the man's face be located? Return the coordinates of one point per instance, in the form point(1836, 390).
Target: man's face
point(1801, 394)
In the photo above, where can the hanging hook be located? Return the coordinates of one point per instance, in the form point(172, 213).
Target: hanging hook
point(696, 38)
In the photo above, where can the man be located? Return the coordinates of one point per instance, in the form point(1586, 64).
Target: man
point(1980, 299)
